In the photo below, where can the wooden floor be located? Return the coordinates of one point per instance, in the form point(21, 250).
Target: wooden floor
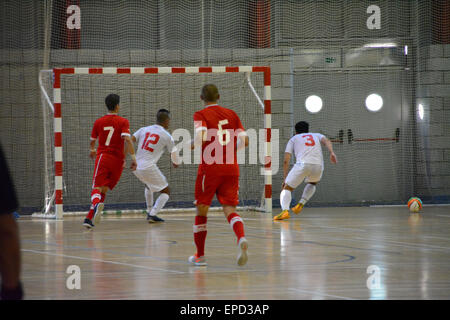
point(323, 253)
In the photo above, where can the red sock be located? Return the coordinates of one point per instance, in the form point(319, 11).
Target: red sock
point(200, 234)
point(237, 224)
point(90, 214)
point(103, 196)
point(96, 197)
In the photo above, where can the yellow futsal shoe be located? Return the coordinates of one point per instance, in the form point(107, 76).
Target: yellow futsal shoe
point(282, 216)
point(298, 208)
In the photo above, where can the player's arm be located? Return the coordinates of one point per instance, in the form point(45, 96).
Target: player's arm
point(129, 145)
point(93, 151)
point(129, 149)
point(287, 159)
point(200, 136)
point(327, 143)
point(173, 153)
point(200, 133)
point(94, 136)
point(175, 159)
point(286, 163)
point(243, 140)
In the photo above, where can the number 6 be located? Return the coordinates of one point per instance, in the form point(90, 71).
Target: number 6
point(222, 132)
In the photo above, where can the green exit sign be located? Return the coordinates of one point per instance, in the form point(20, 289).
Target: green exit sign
point(330, 60)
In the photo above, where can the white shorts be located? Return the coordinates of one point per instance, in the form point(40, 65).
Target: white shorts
point(153, 178)
point(306, 171)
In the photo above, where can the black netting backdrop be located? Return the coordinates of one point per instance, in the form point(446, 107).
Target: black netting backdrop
point(341, 51)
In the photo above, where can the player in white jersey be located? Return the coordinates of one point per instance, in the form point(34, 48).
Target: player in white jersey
point(309, 166)
point(151, 143)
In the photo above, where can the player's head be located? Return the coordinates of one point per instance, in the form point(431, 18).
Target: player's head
point(163, 118)
point(210, 93)
point(301, 127)
point(112, 102)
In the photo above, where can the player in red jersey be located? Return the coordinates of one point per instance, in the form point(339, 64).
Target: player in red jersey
point(220, 133)
point(112, 132)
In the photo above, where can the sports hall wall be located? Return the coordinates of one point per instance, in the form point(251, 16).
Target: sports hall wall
point(313, 47)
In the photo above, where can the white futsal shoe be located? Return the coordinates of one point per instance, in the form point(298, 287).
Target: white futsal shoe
point(197, 261)
point(242, 255)
point(98, 209)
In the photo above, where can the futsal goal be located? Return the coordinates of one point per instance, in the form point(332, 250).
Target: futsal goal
point(73, 98)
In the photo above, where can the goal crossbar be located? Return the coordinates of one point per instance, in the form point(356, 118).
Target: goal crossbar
point(58, 73)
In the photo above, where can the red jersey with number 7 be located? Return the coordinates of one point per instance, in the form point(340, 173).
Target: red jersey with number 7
point(223, 126)
point(110, 130)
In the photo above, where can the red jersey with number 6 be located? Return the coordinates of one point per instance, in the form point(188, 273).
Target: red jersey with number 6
point(219, 155)
point(110, 130)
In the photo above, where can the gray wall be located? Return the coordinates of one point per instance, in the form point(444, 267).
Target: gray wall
point(433, 92)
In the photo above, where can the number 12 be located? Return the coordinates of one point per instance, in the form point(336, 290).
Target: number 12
point(152, 138)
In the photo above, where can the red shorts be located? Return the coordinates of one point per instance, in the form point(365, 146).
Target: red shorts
point(107, 171)
point(225, 187)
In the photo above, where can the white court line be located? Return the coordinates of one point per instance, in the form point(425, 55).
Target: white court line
point(100, 260)
point(404, 205)
point(320, 293)
point(440, 215)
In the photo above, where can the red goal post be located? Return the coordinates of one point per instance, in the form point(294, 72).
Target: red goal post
point(57, 104)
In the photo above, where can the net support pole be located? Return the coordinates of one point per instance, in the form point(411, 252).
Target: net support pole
point(268, 146)
point(58, 143)
point(154, 70)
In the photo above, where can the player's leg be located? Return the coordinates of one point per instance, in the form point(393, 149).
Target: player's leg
point(228, 196)
point(205, 188)
point(157, 182)
point(159, 204)
point(98, 180)
point(314, 176)
point(107, 174)
point(293, 180)
point(200, 232)
point(148, 198)
point(285, 201)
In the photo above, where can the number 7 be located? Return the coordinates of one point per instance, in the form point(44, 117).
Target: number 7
point(111, 131)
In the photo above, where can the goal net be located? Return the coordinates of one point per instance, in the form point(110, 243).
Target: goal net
point(73, 98)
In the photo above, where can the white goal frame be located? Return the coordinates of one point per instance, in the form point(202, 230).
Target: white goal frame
point(58, 73)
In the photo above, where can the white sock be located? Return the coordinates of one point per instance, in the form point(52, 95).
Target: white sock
point(159, 204)
point(308, 192)
point(149, 199)
point(285, 199)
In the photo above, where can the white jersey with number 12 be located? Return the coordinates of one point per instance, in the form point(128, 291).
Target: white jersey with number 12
point(152, 141)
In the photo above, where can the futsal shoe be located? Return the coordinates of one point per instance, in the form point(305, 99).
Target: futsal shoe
point(197, 261)
point(88, 223)
point(98, 209)
point(153, 219)
point(242, 256)
point(282, 216)
point(298, 208)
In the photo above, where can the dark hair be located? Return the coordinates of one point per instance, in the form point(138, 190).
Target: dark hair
point(111, 101)
point(210, 93)
point(162, 115)
point(301, 127)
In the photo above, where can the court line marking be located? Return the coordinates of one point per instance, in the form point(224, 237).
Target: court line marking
point(320, 293)
point(274, 231)
point(103, 261)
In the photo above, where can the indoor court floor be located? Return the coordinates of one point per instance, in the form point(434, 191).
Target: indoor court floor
point(323, 253)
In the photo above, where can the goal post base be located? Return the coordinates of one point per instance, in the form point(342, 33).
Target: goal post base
point(142, 212)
